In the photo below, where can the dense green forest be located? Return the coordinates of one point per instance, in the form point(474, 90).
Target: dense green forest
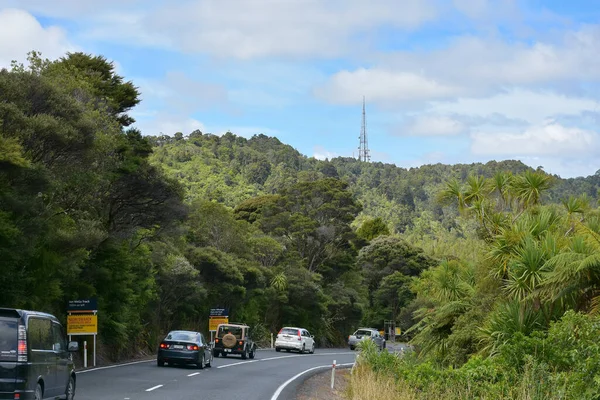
point(485, 267)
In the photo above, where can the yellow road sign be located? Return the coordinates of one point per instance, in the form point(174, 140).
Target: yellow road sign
point(214, 322)
point(82, 324)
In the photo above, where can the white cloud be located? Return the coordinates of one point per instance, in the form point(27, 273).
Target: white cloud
point(74, 9)
point(472, 8)
point(21, 33)
point(565, 168)
point(433, 157)
point(521, 104)
point(320, 153)
point(247, 29)
point(549, 139)
point(382, 86)
point(471, 67)
point(433, 125)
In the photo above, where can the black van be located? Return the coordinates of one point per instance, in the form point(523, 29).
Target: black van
point(35, 362)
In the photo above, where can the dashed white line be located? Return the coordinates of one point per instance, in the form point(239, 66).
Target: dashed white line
point(153, 388)
point(194, 374)
point(238, 363)
point(280, 388)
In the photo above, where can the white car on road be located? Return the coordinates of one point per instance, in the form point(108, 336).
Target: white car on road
point(366, 334)
point(291, 338)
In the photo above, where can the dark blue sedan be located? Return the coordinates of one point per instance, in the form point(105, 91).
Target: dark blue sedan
point(185, 347)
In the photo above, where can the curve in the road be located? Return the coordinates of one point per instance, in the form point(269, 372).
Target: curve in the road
point(279, 358)
point(293, 378)
point(140, 380)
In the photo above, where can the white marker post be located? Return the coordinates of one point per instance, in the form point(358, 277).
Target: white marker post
point(333, 375)
point(85, 354)
point(271, 339)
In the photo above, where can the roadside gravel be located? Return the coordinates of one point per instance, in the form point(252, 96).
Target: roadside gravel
point(318, 386)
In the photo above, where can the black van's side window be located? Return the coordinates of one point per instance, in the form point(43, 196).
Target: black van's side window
point(58, 338)
point(40, 333)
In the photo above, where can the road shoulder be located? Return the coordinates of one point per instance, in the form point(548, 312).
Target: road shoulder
point(317, 386)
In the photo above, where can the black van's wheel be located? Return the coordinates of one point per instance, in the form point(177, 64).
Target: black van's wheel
point(70, 393)
point(38, 392)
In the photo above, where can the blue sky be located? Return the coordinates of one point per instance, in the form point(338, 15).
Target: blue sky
point(445, 80)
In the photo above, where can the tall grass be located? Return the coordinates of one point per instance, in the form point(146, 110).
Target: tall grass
point(389, 376)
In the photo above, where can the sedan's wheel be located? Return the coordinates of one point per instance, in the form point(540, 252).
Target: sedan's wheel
point(38, 392)
point(209, 363)
point(352, 347)
point(277, 349)
point(160, 363)
point(303, 349)
point(312, 350)
point(70, 392)
point(202, 362)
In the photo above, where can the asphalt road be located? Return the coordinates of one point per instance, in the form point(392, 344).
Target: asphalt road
point(229, 378)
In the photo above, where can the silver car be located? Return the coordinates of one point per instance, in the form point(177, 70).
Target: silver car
point(366, 334)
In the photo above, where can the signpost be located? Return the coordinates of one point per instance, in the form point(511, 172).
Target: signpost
point(217, 316)
point(82, 319)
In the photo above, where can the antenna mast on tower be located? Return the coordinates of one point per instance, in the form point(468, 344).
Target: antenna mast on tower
point(363, 149)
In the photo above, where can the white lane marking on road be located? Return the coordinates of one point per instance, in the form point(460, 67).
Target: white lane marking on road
point(153, 388)
point(114, 366)
point(277, 358)
point(194, 374)
point(306, 355)
point(280, 388)
point(147, 361)
point(238, 363)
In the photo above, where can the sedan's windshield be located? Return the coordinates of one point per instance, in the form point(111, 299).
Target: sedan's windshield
point(362, 332)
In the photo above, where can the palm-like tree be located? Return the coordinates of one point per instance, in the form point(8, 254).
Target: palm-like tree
point(451, 286)
point(502, 186)
point(576, 208)
point(529, 187)
point(452, 194)
point(573, 275)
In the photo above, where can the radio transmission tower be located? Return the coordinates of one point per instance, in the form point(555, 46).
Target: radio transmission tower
point(363, 149)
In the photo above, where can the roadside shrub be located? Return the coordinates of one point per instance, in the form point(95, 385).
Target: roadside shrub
point(562, 363)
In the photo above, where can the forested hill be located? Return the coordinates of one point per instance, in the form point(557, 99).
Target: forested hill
point(230, 169)
point(161, 229)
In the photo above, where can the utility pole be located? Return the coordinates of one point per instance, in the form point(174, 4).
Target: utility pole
point(363, 149)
